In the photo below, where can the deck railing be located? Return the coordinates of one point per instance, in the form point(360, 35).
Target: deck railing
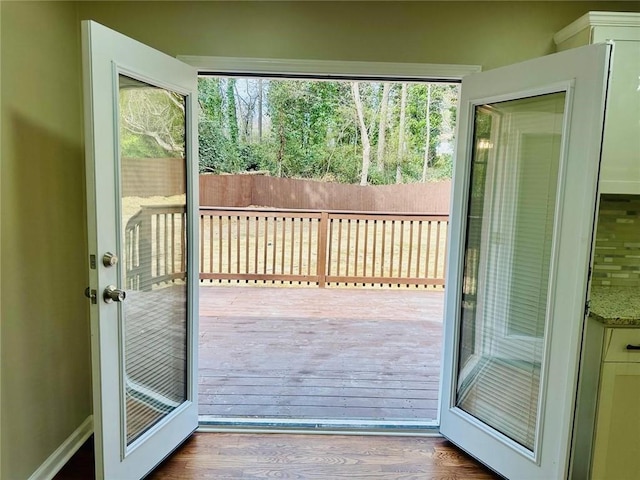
point(324, 248)
point(155, 246)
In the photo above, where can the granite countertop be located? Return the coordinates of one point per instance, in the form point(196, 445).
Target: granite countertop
point(616, 306)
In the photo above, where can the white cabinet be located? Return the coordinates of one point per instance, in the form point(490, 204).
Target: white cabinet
point(620, 169)
point(616, 451)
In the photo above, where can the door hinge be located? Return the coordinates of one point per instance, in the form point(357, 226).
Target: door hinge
point(587, 308)
point(92, 262)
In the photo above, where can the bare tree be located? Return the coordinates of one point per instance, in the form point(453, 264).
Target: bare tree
point(247, 103)
point(155, 113)
point(260, 87)
point(425, 165)
point(402, 145)
point(382, 128)
point(366, 145)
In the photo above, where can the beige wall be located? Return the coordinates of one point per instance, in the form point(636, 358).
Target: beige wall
point(45, 370)
point(1, 362)
point(487, 33)
point(45, 329)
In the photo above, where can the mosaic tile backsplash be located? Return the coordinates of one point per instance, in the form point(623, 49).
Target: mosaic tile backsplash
point(617, 255)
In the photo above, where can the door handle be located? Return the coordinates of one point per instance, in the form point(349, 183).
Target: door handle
point(113, 294)
point(109, 259)
point(633, 347)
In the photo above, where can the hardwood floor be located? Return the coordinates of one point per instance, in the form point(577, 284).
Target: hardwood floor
point(253, 456)
point(360, 354)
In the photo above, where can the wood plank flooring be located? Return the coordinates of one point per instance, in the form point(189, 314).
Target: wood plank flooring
point(311, 353)
point(253, 456)
point(305, 353)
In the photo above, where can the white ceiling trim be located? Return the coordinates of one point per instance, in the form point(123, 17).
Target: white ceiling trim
point(326, 68)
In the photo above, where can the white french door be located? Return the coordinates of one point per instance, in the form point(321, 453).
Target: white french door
point(142, 190)
point(525, 185)
point(524, 188)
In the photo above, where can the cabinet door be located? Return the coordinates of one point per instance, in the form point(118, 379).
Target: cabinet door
point(617, 443)
point(620, 171)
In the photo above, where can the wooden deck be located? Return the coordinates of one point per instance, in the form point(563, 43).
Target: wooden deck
point(310, 353)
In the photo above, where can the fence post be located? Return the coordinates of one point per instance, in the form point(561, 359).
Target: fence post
point(144, 250)
point(321, 266)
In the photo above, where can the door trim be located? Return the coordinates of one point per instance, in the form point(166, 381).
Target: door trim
point(333, 68)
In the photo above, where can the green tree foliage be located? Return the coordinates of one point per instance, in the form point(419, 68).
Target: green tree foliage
point(306, 127)
point(214, 150)
point(442, 106)
point(310, 129)
point(219, 147)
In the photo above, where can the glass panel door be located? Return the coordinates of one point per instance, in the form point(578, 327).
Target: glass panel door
point(524, 196)
point(153, 218)
point(510, 224)
point(142, 210)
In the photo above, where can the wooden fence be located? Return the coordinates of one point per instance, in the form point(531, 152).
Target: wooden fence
point(291, 193)
point(147, 177)
point(324, 248)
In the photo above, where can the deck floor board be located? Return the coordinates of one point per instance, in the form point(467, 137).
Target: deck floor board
point(307, 353)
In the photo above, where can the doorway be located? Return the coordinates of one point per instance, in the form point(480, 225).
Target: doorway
point(321, 306)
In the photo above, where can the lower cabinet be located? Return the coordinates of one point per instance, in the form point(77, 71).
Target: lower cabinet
point(616, 449)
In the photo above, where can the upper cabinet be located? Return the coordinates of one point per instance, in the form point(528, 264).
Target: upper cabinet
point(620, 169)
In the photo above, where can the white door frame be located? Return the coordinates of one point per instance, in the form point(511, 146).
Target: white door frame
point(331, 70)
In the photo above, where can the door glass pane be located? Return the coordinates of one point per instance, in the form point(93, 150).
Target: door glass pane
point(508, 250)
point(153, 264)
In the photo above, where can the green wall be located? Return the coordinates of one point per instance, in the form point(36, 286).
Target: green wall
point(44, 347)
point(45, 361)
point(488, 33)
point(1, 362)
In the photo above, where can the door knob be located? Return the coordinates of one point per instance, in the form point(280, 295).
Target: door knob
point(113, 294)
point(109, 259)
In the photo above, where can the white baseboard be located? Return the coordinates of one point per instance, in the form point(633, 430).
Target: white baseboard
point(64, 452)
